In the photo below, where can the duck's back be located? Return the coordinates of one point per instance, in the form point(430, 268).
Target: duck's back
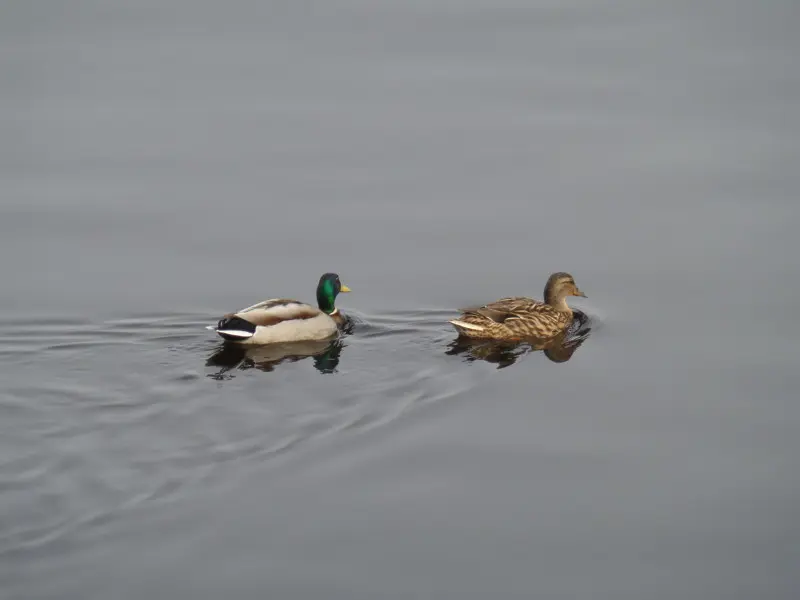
point(512, 317)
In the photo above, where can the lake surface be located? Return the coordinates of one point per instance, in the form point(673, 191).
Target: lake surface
point(166, 162)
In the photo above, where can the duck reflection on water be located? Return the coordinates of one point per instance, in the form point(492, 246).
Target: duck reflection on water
point(229, 357)
point(558, 349)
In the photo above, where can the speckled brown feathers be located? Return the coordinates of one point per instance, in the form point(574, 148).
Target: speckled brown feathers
point(518, 317)
point(513, 318)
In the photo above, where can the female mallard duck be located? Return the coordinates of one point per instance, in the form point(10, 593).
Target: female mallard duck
point(282, 320)
point(518, 318)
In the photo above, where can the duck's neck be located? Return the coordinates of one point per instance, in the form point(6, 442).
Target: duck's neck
point(557, 302)
point(325, 302)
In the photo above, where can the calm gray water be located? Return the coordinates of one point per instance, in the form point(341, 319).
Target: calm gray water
point(164, 162)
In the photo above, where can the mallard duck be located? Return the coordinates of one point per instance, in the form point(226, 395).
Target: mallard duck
point(518, 318)
point(283, 320)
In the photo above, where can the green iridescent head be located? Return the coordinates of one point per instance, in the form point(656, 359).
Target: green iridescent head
point(329, 287)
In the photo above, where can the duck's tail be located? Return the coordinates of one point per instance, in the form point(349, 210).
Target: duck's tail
point(467, 329)
point(233, 329)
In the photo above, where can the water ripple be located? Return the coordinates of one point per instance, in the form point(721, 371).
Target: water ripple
point(144, 409)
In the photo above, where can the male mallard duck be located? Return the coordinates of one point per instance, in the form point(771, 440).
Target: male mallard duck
point(283, 320)
point(518, 318)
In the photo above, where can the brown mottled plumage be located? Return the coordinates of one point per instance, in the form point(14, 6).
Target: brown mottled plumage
point(520, 318)
point(503, 353)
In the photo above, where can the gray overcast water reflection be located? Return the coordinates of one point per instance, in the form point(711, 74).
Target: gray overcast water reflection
point(166, 162)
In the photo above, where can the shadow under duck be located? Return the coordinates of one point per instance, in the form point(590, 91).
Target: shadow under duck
point(266, 357)
point(283, 320)
point(519, 318)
